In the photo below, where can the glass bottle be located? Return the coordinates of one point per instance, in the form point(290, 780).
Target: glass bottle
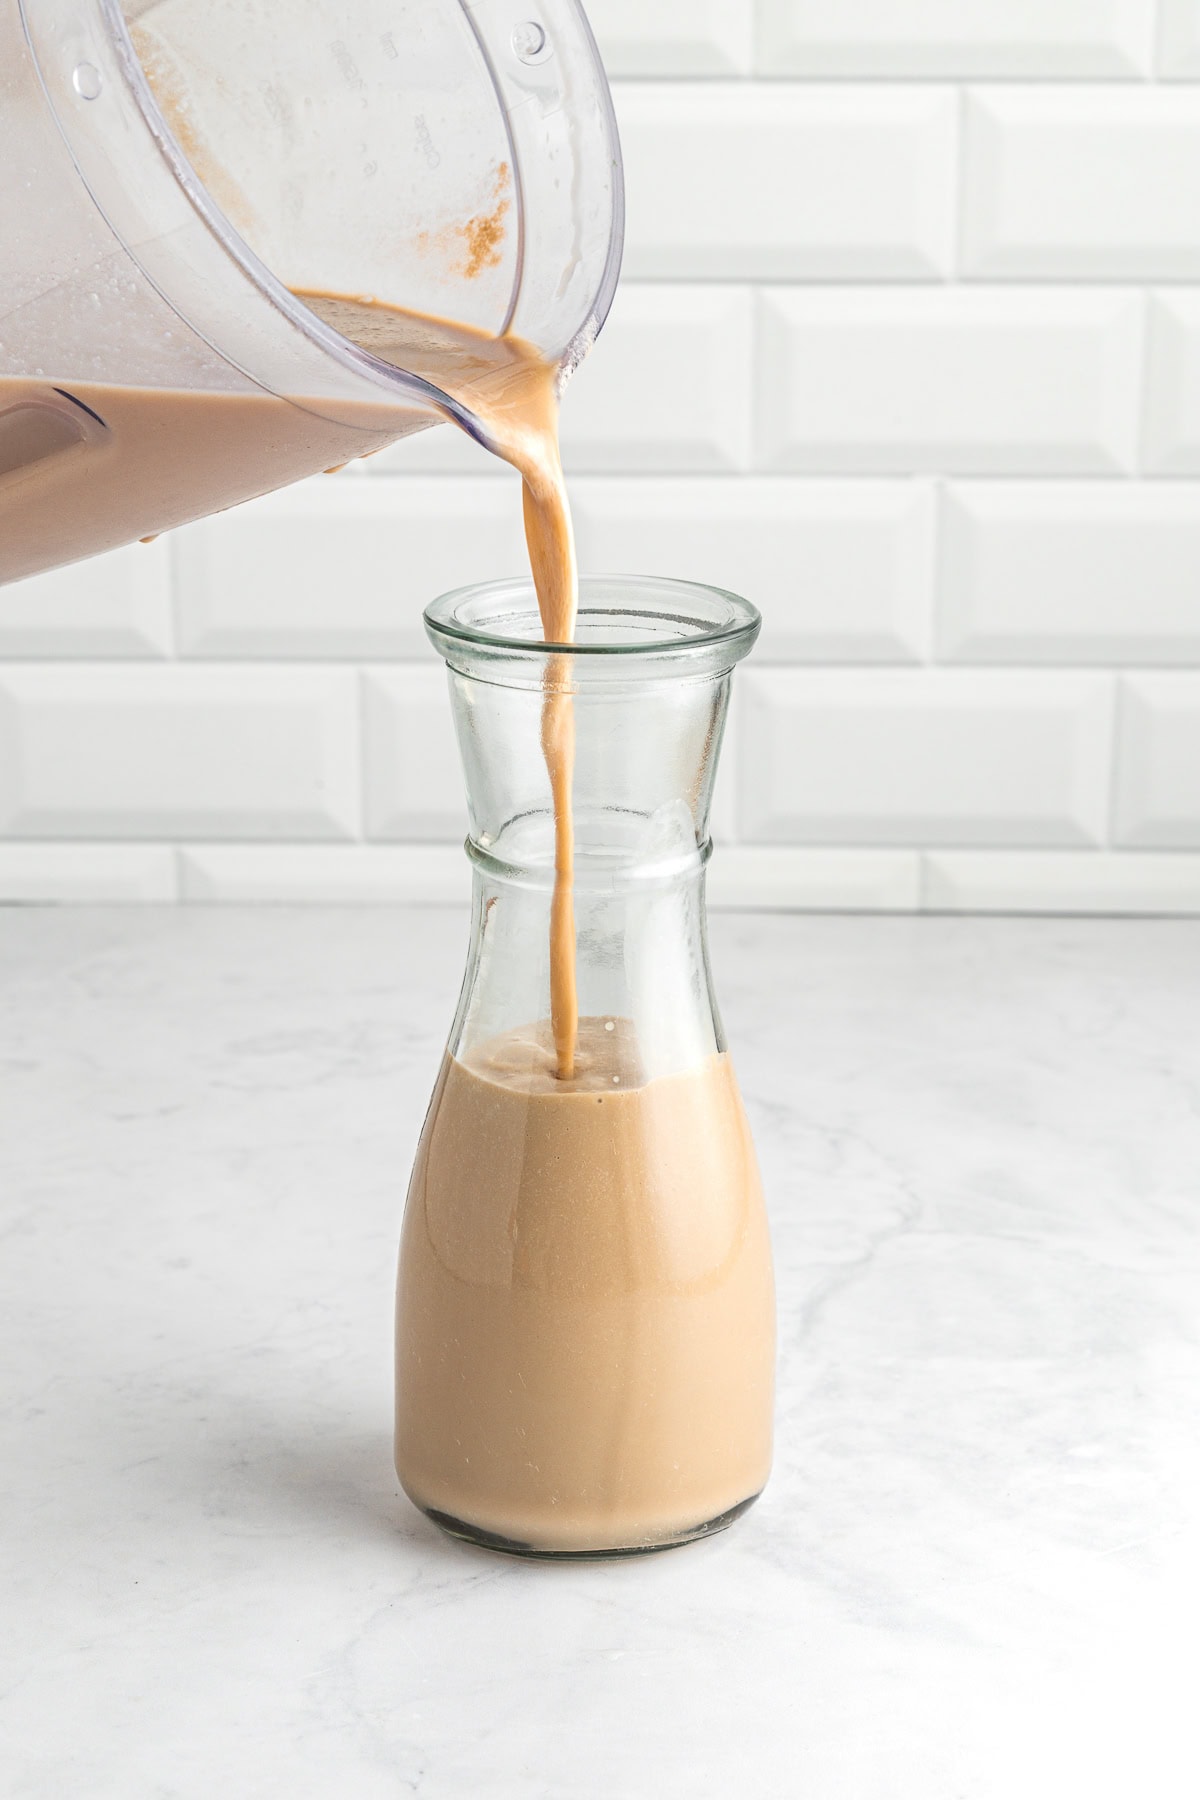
point(585, 1307)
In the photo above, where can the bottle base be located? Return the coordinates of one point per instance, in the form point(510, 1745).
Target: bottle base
point(493, 1540)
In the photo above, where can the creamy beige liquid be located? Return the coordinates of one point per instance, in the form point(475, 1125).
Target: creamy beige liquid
point(85, 467)
point(510, 389)
point(585, 1326)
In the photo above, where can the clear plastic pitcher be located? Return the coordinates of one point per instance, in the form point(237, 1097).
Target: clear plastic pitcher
point(173, 171)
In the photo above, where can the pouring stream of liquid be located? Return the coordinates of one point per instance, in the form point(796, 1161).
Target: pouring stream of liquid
point(510, 389)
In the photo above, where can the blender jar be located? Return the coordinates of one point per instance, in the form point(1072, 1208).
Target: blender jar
point(173, 171)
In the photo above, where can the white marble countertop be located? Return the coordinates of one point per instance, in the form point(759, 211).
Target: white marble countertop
point(976, 1572)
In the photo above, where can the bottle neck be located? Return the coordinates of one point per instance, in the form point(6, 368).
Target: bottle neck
point(642, 966)
point(617, 853)
point(645, 760)
point(640, 699)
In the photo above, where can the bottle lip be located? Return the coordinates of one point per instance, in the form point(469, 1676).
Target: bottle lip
point(635, 619)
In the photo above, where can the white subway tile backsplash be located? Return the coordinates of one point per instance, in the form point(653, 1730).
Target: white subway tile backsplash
point(825, 880)
point(674, 37)
point(1158, 761)
point(746, 182)
point(1172, 435)
point(964, 380)
point(1070, 572)
point(913, 365)
point(432, 874)
point(668, 388)
point(94, 874)
point(924, 757)
point(414, 786)
point(841, 571)
point(1060, 881)
point(1032, 39)
point(172, 752)
point(335, 568)
point(1082, 181)
point(1179, 39)
point(116, 605)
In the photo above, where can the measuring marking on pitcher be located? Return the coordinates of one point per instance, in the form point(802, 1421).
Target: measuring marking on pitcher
point(528, 41)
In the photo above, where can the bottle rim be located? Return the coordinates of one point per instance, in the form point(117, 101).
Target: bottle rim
point(630, 617)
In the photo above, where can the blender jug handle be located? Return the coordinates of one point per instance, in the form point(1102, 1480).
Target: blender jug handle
point(50, 424)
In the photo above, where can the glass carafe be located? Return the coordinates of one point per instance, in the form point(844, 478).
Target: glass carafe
point(585, 1309)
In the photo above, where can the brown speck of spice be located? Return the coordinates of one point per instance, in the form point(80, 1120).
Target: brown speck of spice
point(483, 236)
point(479, 237)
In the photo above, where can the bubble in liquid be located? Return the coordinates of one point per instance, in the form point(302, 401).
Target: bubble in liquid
point(87, 81)
point(609, 1025)
point(528, 41)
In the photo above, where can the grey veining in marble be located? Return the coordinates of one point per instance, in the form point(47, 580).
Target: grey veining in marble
point(976, 1572)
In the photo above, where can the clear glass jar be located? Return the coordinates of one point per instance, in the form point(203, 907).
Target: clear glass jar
point(585, 1317)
